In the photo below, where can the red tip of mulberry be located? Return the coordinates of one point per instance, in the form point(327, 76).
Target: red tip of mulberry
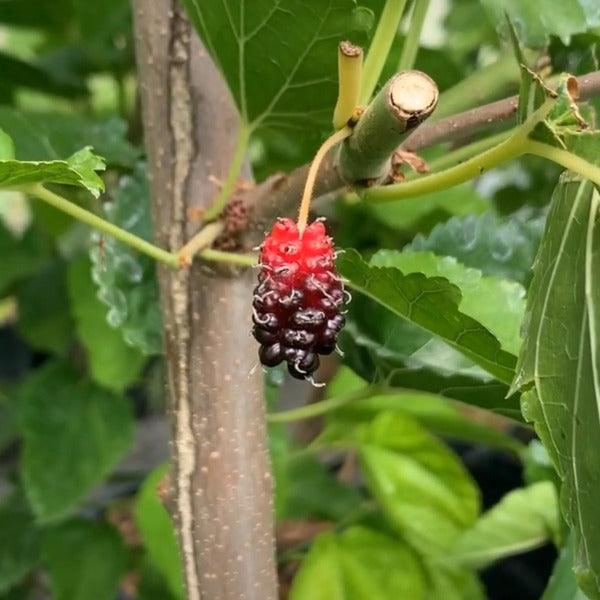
point(298, 299)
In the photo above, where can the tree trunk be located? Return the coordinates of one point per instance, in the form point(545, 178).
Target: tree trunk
point(221, 478)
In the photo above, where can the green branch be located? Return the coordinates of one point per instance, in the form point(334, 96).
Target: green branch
point(213, 211)
point(233, 258)
point(85, 216)
point(473, 167)
point(413, 37)
point(566, 159)
point(380, 46)
point(324, 406)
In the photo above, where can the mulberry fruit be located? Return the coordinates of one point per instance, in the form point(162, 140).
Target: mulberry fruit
point(298, 300)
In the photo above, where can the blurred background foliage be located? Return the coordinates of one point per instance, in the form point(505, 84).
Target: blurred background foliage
point(83, 432)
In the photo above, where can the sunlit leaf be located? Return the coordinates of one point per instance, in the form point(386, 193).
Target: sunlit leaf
point(524, 519)
point(358, 564)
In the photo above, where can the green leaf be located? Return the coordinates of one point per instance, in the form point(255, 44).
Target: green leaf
point(451, 583)
point(306, 490)
point(79, 170)
point(434, 413)
point(422, 487)
point(562, 584)
point(158, 533)
point(496, 303)
point(278, 82)
point(433, 304)
point(18, 73)
point(537, 20)
point(559, 358)
point(524, 519)
point(370, 348)
point(126, 279)
point(84, 428)
point(51, 136)
point(112, 363)
point(85, 560)
point(43, 309)
point(416, 213)
point(21, 257)
point(358, 564)
point(7, 146)
point(19, 541)
point(499, 247)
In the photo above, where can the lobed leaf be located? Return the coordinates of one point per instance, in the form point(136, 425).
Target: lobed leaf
point(278, 57)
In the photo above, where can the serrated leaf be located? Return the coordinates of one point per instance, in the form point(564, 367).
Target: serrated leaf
point(85, 560)
point(278, 82)
point(126, 279)
point(499, 247)
point(158, 533)
point(19, 541)
point(422, 487)
point(433, 304)
point(535, 21)
point(496, 303)
point(523, 519)
point(84, 428)
point(78, 170)
point(112, 363)
point(559, 358)
point(51, 136)
point(357, 564)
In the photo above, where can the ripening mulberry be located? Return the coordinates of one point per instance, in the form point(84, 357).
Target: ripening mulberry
point(298, 300)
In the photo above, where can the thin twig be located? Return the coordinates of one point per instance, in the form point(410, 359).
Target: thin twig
point(277, 195)
point(203, 239)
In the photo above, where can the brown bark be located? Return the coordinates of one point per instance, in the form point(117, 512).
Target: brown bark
point(221, 476)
